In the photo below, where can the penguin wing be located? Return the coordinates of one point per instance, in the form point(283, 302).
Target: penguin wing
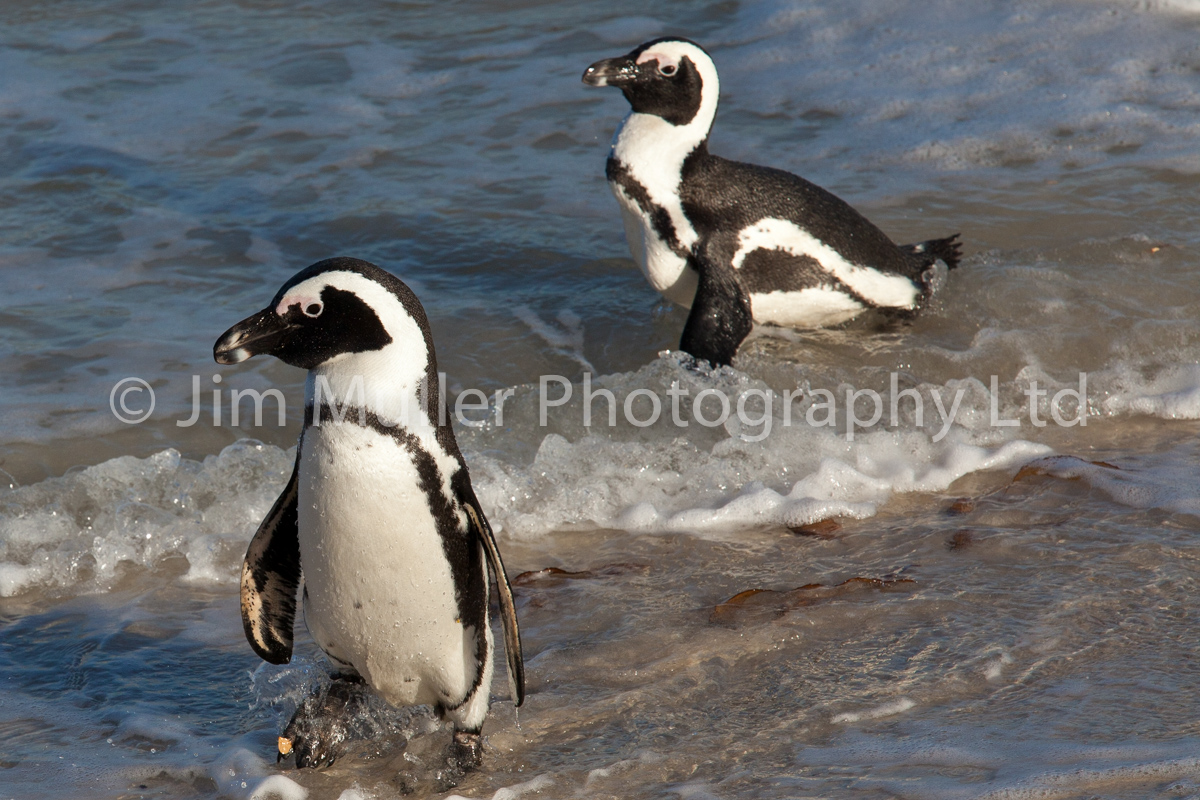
point(270, 577)
point(508, 609)
point(720, 194)
point(720, 317)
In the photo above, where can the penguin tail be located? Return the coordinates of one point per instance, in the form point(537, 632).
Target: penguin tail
point(948, 250)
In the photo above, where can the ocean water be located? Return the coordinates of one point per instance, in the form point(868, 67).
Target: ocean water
point(798, 598)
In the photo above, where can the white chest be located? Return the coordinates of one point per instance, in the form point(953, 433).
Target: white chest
point(665, 270)
point(651, 152)
point(380, 595)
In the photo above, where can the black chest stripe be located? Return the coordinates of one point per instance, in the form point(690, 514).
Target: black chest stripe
point(660, 218)
point(464, 554)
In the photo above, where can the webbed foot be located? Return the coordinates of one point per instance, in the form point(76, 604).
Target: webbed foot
point(465, 754)
point(320, 727)
point(449, 766)
point(466, 751)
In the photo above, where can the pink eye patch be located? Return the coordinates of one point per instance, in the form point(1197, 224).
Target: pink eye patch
point(306, 302)
point(663, 59)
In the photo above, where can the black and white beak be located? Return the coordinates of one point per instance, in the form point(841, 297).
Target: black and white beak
point(259, 334)
point(618, 72)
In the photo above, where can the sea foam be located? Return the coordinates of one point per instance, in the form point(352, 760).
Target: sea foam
point(82, 531)
point(85, 530)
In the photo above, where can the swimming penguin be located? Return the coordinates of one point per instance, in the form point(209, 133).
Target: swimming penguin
point(378, 518)
point(739, 243)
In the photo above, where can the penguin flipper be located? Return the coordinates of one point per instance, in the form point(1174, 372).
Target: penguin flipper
point(508, 609)
point(270, 577)
point(721, 317)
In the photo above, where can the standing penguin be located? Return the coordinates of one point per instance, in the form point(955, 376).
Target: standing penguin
point(739, 243)
point(379, 517)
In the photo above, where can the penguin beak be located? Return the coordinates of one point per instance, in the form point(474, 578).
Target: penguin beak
point(611, 72)
point(255, 335)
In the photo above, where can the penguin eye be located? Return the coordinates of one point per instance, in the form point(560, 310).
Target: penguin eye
point(667, 69)
point(313, 310)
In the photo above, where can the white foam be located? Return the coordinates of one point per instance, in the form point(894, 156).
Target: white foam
point(566, 338)
point(279, 787)
point(82, 531)
point(665, 478)
point(1167, 482)
point(1173, 394)
point(236, 771)
point(86, 530)
point(995, 668)
point(885, 710)
point(621, 767)
point(535, 784)
point(695, 790)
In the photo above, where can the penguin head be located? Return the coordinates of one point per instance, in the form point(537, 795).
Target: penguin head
point(670, 78)
point(330, 312)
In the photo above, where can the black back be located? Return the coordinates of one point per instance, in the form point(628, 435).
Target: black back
point(722, 197)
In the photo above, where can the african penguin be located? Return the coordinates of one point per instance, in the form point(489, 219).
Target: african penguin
point(378, 518)
point(739, 243)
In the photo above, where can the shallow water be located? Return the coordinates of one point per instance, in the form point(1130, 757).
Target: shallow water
point(1023, 623)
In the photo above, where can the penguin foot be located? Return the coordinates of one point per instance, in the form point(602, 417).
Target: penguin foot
point(464, 755)
point(437, 768)
point(466, 751)
point(322, 724)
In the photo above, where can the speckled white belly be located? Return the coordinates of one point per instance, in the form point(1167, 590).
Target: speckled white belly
point(379, 590)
